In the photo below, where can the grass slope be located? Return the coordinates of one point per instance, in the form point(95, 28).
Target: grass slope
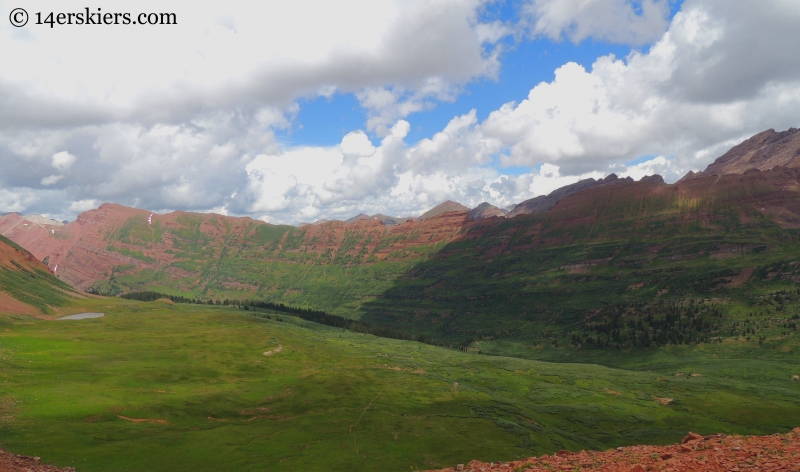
point(25, 279)
point(333, 400)
point(501, 285)
point(550, 278)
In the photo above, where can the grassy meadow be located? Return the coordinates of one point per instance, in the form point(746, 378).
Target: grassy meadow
point(155, 386)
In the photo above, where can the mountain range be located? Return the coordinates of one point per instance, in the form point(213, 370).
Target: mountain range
point(456, 273)
point(661, 308)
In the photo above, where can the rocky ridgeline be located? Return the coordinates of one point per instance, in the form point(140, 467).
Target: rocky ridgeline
point(113, 237)
point(764, 151)
point(185, 250)
point(716, 453)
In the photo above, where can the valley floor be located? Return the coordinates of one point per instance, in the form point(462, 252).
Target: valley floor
point(163, 387)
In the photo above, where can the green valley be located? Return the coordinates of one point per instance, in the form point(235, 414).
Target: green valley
point(157, 386)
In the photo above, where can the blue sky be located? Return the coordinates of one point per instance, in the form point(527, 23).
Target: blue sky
point(526, 61)
point(311, 109)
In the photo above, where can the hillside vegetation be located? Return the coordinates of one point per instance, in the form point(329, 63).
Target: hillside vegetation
point(163, 387)
point(608, 264)
point(26, 285)
point(661, 308)
point(622, 265)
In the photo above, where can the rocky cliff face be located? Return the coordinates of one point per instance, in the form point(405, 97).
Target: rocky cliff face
point(485, 210)
point(89, 248)
point(182, 247)
point(763, 151)
point(543, 203)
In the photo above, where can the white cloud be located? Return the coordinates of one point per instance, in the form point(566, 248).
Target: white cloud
point(51, 179)
point(199, 134)
point(633, 22)
point(63, 160)
point(83, 205)
point(671, 100)
point(385, 106)
point(170, 117)
point(236, 54)
point(357, 144)
point(660, 165)
point(16, 200)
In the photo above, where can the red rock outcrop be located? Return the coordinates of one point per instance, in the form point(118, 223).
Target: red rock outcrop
point(717, 453)
point(15, 463)
point(764, 151)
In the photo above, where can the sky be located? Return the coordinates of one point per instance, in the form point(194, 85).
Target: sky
point(291, 111)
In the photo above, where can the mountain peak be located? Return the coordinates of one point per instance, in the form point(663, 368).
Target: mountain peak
point(764, 151)
point(358, 217)
point(485, 210)
point(445, 207)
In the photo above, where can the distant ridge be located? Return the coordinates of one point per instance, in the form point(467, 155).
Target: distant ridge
point(764, 151)
point(358, 217)
point(42, 220)
point(543, 203)
point(390, 220)
point(442, 208)
point(316, 223)
point(485, 210)
point(114, 248)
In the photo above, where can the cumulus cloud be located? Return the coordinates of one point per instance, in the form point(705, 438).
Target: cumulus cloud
point(170, 117)
point(386, 105)
point(51, 179)
point(646, 104)
point(63, 160)
point(200, 134)
point(586, 123)
point(83, 205)
point(16, 199)
point(238, 54)
point(666, 168)
point(634, 22)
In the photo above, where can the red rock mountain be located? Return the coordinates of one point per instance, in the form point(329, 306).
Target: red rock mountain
point(543, 203)
point(114, 239)
point(485, 210)
point(764, 151)
point(215, 254)
point(187, 248)
point(445, 207)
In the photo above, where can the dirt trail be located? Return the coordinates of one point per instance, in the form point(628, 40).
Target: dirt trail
point(142, 420)
point(359, 420)
point(274, 351)
point(717, 453)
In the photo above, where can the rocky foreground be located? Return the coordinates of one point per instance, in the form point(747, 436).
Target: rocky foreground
point(14, 463)
point(717, 453)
